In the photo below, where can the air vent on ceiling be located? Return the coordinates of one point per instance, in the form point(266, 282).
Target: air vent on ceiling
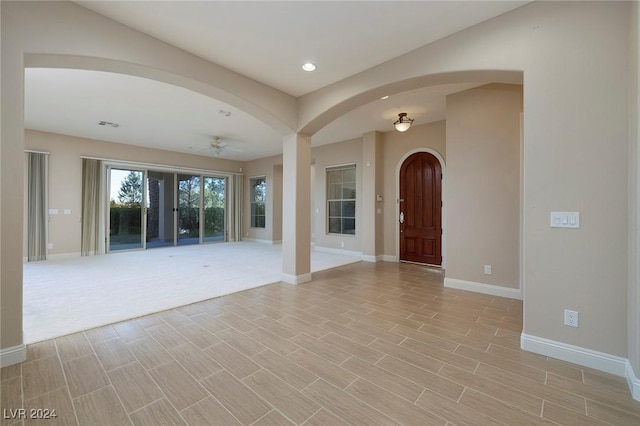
point(109, 124)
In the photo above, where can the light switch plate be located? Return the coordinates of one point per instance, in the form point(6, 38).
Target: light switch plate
point(565, 219)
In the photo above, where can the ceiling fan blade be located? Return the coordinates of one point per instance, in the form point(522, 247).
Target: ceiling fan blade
point(233, 148)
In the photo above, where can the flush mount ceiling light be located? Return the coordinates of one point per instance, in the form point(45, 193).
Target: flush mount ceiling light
point(309, 67)
point(403, 122)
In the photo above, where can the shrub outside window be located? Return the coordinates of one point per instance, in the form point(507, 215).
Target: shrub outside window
point(341, 200)
point(258, 188)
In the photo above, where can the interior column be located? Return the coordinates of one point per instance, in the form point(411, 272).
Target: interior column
point(371, 227)
point(296, 200)
point(12, 348)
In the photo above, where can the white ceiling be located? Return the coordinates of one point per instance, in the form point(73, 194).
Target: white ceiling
point(269, 40)
point(150, 113)
point(264, 40)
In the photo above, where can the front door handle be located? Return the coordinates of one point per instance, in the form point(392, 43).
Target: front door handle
point(401, 217)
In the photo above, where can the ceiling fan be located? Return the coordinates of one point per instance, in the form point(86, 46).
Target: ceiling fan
point(220, 147)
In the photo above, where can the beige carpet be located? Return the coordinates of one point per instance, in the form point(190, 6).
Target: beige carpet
point(65, 296)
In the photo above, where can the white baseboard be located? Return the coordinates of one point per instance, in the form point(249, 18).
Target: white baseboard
point(373, 259)
point(494, 290)
point(633, 381)
point(575, 354)
point(63, 255)
point(389, 258)
point(295, 279)
point(338, 251)
point(261, 241)
point(13, 355)
point(26, 260)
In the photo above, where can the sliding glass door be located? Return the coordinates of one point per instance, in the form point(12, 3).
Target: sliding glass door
point(160, 211)
point(214, 200)
point(126, 195)
point(151, 208)
point(188, 209)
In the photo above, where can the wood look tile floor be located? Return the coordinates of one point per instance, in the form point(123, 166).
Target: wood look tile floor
point(363, 344)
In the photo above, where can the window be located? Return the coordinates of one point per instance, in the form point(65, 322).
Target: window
point(341, 200)
point(258, 187)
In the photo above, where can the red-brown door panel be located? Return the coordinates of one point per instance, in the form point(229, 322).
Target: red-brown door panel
point(421, 208)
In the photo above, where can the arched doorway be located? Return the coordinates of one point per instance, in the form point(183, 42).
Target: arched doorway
point(420, 209)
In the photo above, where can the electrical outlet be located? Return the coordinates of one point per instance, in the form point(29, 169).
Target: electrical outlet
point(487, 269)
point(570, 318)
point(49, 246)
point(341, 243)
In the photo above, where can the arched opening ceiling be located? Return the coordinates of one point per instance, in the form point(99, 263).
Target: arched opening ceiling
point(149, 113)
point(266, 41)
point(424, 105)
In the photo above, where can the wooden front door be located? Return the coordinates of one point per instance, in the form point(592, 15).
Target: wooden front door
point(421, 209)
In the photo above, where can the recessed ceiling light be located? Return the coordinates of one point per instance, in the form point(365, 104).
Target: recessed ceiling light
point(385, 97)
point(309, 67)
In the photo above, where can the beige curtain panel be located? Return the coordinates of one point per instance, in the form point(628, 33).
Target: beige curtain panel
point(37, 206)
point(92, 241)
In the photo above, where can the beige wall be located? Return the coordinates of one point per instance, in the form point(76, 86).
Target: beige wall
point(574, 57)
point(271, 169)
point(395, 148)
point(276, 219)
point(633, 303)
point(296, 209)
point(575, 159)
point(574, 62)
point(11, 187)
point(322, 157)
point(483, 184)
point(65, 176)
point(54, 34)
point(392, 147)
point(347, 152)
point(372, 223)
